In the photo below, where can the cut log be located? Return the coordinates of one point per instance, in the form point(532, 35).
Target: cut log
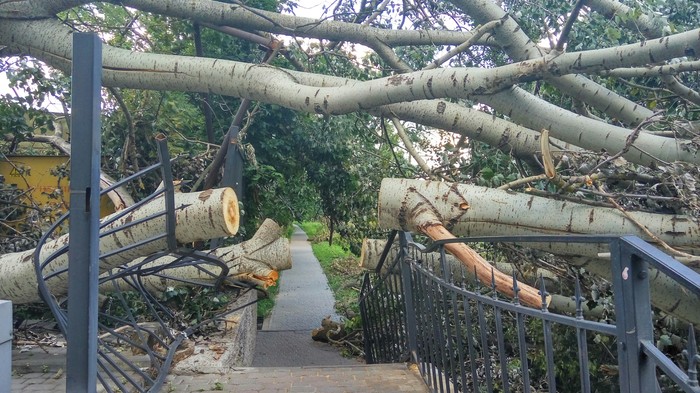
point(199, 216)
point(330, 331)
point(372, 249)
point(257, 260)
point(409, 205)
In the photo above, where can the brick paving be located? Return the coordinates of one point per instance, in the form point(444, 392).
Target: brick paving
point(330, 379)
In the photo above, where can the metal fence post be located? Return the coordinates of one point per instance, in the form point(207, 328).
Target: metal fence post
point(633, 318)
point(5, 346)
point(83, 250)
point(406, 280)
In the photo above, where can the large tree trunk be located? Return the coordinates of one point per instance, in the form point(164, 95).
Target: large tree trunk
point(666, 294)
point(478, 211)
point(469, 210)
point(257, 260)
point(372, 251)
point(403, 206)
point(199, 216)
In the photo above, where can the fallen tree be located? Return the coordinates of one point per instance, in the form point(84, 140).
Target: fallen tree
point(257, 260)
point(403, 206)
point(477, 211)
point(470, 210)
point(199, 216)
point(372, 251)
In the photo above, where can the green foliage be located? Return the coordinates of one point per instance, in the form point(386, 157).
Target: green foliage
point(22, 112)
point(265, 305)
point(196, 304)
point(313, 229)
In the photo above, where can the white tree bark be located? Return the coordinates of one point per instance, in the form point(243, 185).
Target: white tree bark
point(470, 210)
point(666, 294)
point(199, 216)
point(520, 47)
point(257, 260)
point(372, 251)
point(420, 212)
point(50, 41)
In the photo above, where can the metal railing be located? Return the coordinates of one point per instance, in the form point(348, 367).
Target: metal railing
point(5, 346)
point(157, 336)
point(465, 338)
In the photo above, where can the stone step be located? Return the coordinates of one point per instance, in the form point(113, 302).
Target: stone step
point(326, 379)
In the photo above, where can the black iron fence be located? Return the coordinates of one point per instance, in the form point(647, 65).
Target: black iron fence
point(465, 338)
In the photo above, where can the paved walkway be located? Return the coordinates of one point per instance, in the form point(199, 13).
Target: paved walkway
point(286, 359)
point(304, 298)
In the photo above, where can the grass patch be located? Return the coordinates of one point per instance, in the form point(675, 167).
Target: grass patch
point(265, 305)
point(314, 229)
point(343, 274)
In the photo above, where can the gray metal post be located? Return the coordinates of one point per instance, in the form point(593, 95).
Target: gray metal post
point(630, 275)
point(407, 281)
point(233, 167)
point(83, 251)
point(5, 346)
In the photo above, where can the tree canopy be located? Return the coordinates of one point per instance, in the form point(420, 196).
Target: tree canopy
point(593, 102)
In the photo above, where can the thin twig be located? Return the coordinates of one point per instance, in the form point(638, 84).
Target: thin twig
point(521, 181)
point(646, 230)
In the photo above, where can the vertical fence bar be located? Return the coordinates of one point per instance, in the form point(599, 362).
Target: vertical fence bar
point(424, 346)
point(169, 187)
point(5, 346)
point(483, 326)
point(633, 317)
point(448, 320)
point(522, 340)
point(396, 319)
point(367, 323)
point(441, 361)
point(426, 331)
point(548, 344)
point(582, 342)
point(410, 310)
point(502, 358)
point(83, 251)
point(470, 342)
point(460, 343)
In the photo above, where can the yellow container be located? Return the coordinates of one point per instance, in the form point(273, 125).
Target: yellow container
point(33, 174)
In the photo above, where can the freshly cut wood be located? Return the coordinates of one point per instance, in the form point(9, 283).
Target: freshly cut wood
point(469, 210)
point(372, 249)
point(330, 331)
point(404, 205)
point(257, 260)
point(199, 216)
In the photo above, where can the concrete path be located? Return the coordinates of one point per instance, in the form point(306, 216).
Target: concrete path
point(304, 298)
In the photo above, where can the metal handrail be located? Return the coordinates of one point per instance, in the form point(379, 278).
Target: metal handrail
point(417, 316)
